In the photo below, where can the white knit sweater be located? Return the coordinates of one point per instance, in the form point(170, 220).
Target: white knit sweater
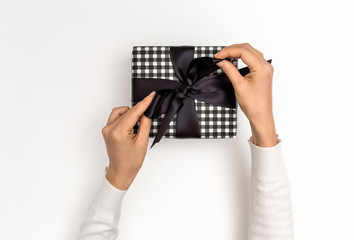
point(270, 216)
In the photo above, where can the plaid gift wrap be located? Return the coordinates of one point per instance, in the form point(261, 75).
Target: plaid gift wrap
point(154, 62)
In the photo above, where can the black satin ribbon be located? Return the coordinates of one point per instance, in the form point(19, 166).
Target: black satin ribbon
point(178, 96)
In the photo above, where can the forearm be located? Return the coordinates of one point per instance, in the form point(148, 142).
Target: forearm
point(101, 222)
point(271, 208)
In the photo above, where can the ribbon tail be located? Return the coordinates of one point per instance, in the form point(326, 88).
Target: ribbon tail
point(187, 121)
point(175, 105)
point(244, 71)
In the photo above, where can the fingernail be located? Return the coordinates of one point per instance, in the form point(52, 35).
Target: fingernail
point(220, 64)
point(216, 55)
point(152, 93)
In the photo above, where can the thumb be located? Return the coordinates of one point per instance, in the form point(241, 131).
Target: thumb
point(231, 71)
point(144, 129)
point(132, 116)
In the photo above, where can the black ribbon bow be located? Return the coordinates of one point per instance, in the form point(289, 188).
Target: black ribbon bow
point(178, 96)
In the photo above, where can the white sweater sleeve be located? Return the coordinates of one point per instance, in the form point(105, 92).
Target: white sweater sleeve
point(270, 216)
point(270, 208)
point(101, 222)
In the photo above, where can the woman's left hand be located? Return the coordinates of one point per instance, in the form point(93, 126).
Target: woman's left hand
point(126, 150)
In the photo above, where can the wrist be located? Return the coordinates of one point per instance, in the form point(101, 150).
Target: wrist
point(118, 180)
point(264, 132)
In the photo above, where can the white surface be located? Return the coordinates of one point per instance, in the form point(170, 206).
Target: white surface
point(65, 64)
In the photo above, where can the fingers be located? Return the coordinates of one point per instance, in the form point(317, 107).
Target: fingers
point(132, 116)
point(231, 71)
point(116, 113)
point(144, 129)
point(249, 55)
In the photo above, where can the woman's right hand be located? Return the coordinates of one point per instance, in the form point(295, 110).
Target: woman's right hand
point(253, 91)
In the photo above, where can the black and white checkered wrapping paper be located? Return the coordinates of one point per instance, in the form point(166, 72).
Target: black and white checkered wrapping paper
point(154, 62)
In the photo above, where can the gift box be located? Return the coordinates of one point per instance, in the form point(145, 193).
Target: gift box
point(194, 98)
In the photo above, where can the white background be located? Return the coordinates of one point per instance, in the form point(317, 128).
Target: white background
point(65, 64)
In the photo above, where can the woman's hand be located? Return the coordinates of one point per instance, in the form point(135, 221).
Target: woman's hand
point(253, 91)
point(126, 150)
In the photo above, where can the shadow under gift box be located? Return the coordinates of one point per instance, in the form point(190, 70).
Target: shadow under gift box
point(155, 62)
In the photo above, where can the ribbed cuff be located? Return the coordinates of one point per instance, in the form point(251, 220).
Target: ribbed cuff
point(109, 199)
point(267, 162)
